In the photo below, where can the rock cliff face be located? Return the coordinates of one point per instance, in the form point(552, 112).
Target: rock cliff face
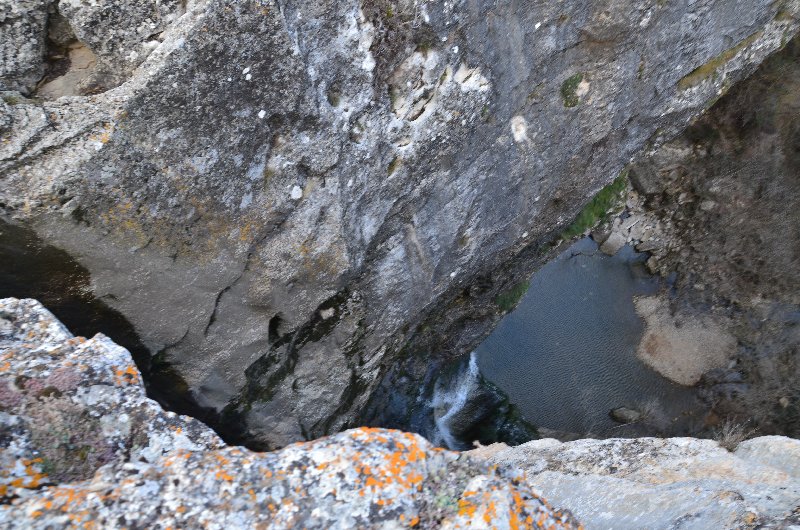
point(285, 196)
point(82, 447)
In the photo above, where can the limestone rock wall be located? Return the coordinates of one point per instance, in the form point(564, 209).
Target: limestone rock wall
point(283, 196)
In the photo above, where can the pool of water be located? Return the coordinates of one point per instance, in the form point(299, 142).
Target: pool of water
point(566, 355)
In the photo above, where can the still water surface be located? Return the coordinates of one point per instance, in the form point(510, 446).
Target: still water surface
point(566, 354)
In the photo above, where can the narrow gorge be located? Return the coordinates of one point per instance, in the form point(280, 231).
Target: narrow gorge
point(571, 227)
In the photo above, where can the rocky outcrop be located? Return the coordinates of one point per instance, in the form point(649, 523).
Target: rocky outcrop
point(285, 197)
point(663, 483)
point(82, 447)
point(719, 209)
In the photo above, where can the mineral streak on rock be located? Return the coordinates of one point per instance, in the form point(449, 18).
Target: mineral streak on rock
point(82, 447)
point(231, 170)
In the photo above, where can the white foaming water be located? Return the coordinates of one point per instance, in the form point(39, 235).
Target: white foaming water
point(449, 397)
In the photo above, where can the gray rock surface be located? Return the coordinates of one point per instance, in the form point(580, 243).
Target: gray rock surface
point(663, 483)
point(22, 43)
point(284, 196)
point(81, 446)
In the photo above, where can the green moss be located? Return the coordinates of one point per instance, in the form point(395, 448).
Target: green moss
point(709, 69)
point(11, 99)
point(610, 198)
point(393, 165)
point(424, 47)
point(508, 300)
point(334, 97)
point(569, 89)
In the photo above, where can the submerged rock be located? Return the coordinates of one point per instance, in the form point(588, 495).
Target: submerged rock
point(283, 197)
point(625, 415)
point(678, 347)
point(663, 483)
point(82, 446)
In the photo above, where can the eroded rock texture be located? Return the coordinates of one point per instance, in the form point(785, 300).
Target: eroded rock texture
point(283, 196)
point(664, 483)
point(82, 447)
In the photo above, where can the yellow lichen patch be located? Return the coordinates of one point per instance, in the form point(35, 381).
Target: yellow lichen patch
point(703, 72)
point(489, 514)
point(34, 477)
point(223, 475)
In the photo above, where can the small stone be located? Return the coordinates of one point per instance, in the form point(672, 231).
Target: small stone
point(708, 205)
point(600, 236)
point(649, 245)
point(613, 244)
point(625, 415)
point(327, 313)
point(297, 193)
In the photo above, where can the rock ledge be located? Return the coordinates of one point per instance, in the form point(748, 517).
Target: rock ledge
point(82, 446)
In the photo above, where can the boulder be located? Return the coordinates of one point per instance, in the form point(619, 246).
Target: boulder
point(82, 446)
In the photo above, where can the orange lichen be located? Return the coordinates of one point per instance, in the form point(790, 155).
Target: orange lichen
point(489, 513)
point(466, 508)
point(128, 375)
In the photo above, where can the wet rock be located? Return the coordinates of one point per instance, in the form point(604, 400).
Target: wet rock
point(83, 446)
point(664, 483)
point(625, 415)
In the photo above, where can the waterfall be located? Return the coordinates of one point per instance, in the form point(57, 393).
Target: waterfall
point(450, 396)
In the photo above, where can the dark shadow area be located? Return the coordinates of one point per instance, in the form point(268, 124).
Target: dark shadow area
point(29, 268)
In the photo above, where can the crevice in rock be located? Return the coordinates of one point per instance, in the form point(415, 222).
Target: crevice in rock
point(70, 63)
